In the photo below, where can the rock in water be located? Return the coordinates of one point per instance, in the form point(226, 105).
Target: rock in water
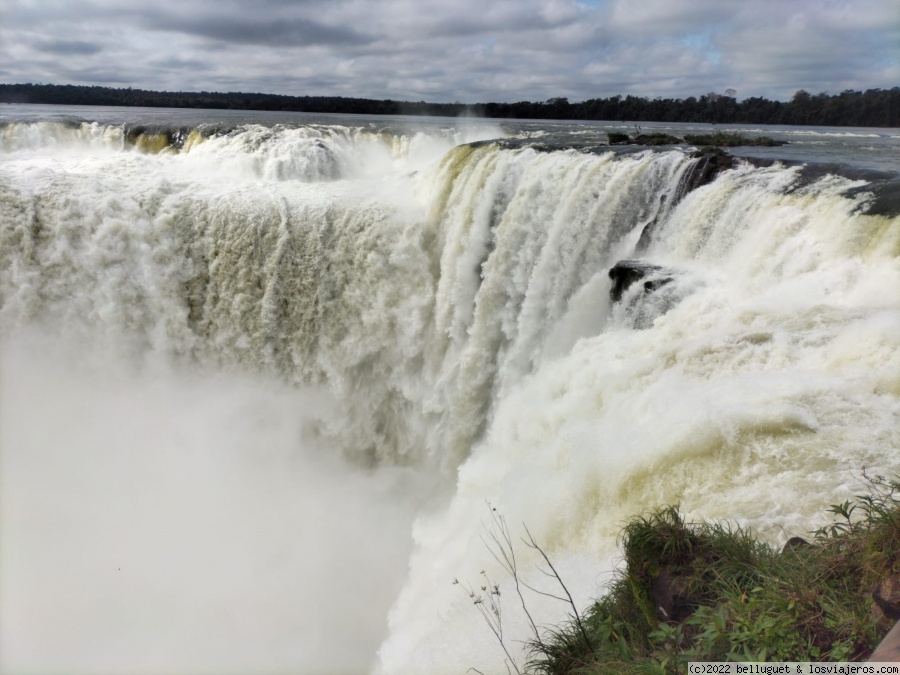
point(625, 272)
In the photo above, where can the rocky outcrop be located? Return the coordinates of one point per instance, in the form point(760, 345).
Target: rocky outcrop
point(719, 139)
point(671, 597)
point(710, 162)
point(795, 544)
point(731, 140)
point(887, 596)
point(656, 139)
point(627, 272)
point(883, 198)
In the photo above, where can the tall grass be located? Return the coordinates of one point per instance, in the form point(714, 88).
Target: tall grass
point(712, 592)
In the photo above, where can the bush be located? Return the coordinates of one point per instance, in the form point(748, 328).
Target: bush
point(656, 139)
point(723, 139)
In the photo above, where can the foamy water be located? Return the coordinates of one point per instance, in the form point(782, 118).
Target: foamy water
point(260, 380)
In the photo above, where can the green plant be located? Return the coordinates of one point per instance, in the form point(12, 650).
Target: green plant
point(740, 599)
point(804, 603)
point(499, 543)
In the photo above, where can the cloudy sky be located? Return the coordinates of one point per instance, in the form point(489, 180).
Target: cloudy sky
point(456, 50)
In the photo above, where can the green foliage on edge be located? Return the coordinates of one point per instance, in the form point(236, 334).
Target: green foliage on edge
point(749, 601)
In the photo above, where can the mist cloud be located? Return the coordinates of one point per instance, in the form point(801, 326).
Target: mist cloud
point(169, 524)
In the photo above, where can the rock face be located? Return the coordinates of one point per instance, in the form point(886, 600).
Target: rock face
point(794, 544)
point(885, 198)
point(711, 162)
point(671, 597)
point(656, 139)
point(626, 272)
point(728, 140)
point(887, 597)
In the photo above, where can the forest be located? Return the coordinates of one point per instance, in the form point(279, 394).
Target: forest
point(870, 108)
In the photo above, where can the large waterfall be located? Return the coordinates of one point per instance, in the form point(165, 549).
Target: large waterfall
point(259, 381)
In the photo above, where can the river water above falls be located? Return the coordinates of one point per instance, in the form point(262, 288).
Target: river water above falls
point(261, 373)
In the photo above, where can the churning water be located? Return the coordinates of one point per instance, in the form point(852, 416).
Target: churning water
point(261, 374)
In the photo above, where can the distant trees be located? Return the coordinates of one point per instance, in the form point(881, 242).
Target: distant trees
point(872, 108)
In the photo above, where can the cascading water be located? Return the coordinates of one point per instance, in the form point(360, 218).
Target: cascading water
point(349, 329)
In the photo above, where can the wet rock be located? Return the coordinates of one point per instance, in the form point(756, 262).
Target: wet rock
point(730, 140)
point(883, 198)
point(656, 139)
point(795, 544)
point(709, 163)
point(627, 272)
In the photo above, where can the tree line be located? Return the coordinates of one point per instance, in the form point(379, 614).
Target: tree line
point(870, 108)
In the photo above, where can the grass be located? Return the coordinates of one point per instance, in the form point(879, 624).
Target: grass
point(712, 592)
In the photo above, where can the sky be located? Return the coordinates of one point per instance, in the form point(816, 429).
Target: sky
point(471, 51)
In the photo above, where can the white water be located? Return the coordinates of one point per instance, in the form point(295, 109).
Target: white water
point(239, 371)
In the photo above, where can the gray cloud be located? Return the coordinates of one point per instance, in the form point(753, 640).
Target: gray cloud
point(263, 32)
point(64, 47)
point(468, 50)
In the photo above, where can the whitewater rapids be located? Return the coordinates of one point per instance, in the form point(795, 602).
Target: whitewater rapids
point(259, 382)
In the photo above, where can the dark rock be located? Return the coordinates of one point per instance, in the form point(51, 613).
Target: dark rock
point(795, 544)
point(626, 272)
point(656, 139)
point(887, 596)
point(729, 140)
point(705, 169)
point(880, 196)
point(707, 165)
point(646, 236)
point(884, 198)
point(174, 137)
point(671, 598)
point(618, 138)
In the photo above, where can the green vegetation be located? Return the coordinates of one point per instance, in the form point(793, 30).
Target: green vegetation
point(710, 142)
point(708, 592)
point(656, 139)
point(722, 139)
point(711, 592)
point(871, 108)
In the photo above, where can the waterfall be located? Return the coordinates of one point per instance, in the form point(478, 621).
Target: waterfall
point(441, 307)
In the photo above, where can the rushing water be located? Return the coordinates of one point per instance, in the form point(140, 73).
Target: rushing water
point(261, 373)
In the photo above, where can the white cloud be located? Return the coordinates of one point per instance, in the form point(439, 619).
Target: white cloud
point(470, 50)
